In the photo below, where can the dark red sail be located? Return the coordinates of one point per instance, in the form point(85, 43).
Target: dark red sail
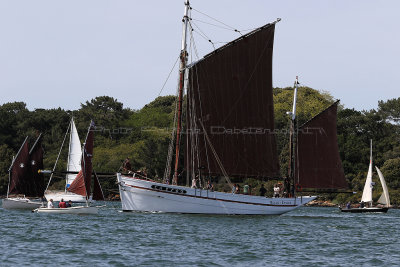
point(78, 185)
point(230, 92)
point(97, 192)
point(36, 161)
point(21, 180)
point(318, 164)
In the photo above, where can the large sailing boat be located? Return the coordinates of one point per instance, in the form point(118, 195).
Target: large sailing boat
point(73, 167)
point(25, 182)
point(230, 133)
point(82, 183)
point(366, 199)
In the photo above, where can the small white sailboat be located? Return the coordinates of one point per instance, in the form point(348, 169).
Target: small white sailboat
point(26, 185)
point(366, 199)
point(82, 183)
point(73, 165)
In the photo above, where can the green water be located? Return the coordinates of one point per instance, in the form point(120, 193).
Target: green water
point(308, 236)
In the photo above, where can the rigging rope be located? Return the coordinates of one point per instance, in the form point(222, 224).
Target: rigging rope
point(169, 75)
point(58, 156)
point(216, 156)
point(202, 34)
point(232, 28)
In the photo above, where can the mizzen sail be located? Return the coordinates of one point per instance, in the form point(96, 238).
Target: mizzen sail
point(318, 164)
point(230, 94)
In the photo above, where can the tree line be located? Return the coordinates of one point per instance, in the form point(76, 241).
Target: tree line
point(143, 135)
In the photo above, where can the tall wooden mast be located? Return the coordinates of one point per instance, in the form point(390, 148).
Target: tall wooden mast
point(182, 70)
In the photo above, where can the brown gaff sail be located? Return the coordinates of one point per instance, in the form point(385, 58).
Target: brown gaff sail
point(21, 179)
point(36, 164)
point(82, 183)
point(318, 163)
point(230, 93)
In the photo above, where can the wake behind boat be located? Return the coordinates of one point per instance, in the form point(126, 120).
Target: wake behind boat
point(366, 204)
point(229, 132)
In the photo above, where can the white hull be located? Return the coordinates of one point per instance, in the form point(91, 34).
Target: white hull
point(71, 210)
point(67, 196)
point(149, 196)
point(20, 203)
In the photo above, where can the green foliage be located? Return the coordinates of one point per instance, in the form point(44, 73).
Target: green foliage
point(390, 110)
point(143, 136)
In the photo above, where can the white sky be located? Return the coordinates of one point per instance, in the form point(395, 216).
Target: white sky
point(62, 53)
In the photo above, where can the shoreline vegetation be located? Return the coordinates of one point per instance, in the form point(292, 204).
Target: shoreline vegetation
point(143, 136)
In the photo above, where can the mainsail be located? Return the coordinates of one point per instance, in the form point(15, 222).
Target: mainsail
point(74, 154)
point(318, 164)
point(21, 179)
point(230, 94)
point(367, 192)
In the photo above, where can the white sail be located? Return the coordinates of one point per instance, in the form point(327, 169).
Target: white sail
point(367, 192)
point(74, 154)
point(384, 199)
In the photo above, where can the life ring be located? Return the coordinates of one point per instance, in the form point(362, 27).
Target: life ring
point(298, 188)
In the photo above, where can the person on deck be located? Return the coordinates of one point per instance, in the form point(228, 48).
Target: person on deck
point(237, 189)
point(234, 189)
point(194, 183)
point(50, 204)
point(246, 189)
point(69, 204)
point(62, 204)
point(126, 166)
point(262, 190)
point(276, 190)
point(210, 186)
point(348, 205)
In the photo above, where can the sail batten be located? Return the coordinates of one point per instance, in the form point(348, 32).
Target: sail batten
point(318, 164)
point(230, 93)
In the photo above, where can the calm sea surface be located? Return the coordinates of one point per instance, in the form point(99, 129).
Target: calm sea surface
point(308, 236)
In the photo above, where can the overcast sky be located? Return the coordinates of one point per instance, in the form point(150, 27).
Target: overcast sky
point(62, 53)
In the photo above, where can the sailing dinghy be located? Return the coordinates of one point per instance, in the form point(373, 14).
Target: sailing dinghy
point(82, 183)
point(73, 167)
point(366, 199)
point(24, 178)
point(230, 133)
